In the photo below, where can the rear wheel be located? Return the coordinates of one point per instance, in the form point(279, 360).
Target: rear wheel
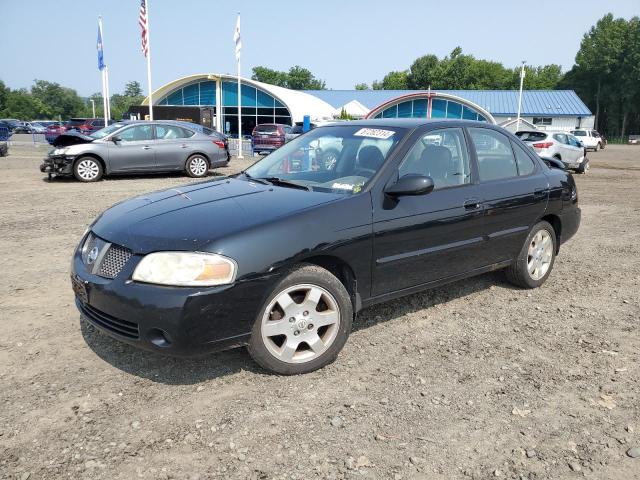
point(535, 261)
point(598, 146)
point(304, 323)
point(87, 169)
point(197, 166)
point(584, 166)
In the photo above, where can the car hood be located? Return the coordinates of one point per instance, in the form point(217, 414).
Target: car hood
point(191, 217)
point(71, 138)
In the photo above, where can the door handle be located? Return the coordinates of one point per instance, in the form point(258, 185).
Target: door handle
point(472, 204)
point(146, 147)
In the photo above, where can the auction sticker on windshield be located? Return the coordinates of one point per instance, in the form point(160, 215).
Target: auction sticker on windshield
point(374, 133)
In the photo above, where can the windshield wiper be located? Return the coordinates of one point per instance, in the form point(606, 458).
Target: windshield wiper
point(284, 183)
point(257, 180)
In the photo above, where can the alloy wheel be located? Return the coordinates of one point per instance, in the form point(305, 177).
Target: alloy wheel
point(540, 254)
point(88, 170)
point(198, 166)
point(300, 323)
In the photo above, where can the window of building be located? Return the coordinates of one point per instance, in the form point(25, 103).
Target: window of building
point(544, 121)
point(494, 153)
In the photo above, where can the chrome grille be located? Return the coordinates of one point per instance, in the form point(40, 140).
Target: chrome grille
point(114, 261)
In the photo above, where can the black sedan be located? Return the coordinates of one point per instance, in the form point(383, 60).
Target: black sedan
point(282, 256)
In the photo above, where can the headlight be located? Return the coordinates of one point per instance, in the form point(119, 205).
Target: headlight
point(60, 151)
point(185, 269)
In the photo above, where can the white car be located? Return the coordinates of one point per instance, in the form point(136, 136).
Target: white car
point(590, 138)
point(559, 145)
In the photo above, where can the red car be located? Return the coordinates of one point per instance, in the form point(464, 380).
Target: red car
point(268, 137)
point(83, 125)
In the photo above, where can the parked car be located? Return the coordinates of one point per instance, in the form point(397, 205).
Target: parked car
point(281, 259)
point(559, 145)
point(5, 135)
point(12, 123)
point(136, 147)
point(83, 125)
point(590, 138)
point(267, 137)
point(53, 130)
point(298, 128)
point(29, 127)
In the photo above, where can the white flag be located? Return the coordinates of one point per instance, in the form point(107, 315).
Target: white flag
point(237, 39)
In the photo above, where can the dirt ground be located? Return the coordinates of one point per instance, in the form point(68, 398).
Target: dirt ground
point(474, 380)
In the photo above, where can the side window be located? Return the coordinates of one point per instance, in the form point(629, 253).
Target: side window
point(171, 132)
point(495, 157)
point(524, 162)
point(136, 133)
point(441, 155)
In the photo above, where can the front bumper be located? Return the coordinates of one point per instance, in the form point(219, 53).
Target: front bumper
point(171, 320)
point(60, 165)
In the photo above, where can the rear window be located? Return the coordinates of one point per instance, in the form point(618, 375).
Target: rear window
point(579, 133)
point(531, 136)
point(267, 129)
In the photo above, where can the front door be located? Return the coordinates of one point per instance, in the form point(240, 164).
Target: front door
point(421, 239)
point(513, 190)
point(133, 150)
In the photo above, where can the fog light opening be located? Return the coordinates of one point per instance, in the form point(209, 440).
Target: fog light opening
point(159, 338)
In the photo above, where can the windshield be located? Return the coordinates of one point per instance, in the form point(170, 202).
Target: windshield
point(103, 132)
point(340, 159)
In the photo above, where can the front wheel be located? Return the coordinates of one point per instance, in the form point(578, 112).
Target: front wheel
point(536, 258)
point(87, 169)
point(598, 147)
point(304, 323)
point(584, 167)
point(197, 166)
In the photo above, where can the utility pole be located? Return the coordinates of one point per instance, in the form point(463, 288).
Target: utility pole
point(520, 97)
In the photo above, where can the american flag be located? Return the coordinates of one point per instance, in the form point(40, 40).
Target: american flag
point(145, 27)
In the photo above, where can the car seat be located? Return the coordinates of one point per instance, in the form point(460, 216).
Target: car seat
point(436, 163)
point(370, 159)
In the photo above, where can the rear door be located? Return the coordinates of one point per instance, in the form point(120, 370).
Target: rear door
point(172, 146)
point(513, 190)
point(133, 151)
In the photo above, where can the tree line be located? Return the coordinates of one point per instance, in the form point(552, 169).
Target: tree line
point(52, 101)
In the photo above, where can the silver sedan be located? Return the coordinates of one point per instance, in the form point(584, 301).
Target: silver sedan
point(138, 147)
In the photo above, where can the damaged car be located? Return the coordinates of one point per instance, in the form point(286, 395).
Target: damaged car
point(136, 147)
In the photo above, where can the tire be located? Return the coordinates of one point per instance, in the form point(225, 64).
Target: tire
point(584, 167)
point(197, 166)
point(543, 237)
point(88, 169)
point(295, 334)
point(598, 146)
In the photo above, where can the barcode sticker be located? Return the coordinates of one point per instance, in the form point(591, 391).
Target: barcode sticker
point(374, 133)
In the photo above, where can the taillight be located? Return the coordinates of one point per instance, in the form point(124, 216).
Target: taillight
point(219, 143)
point(543, 145)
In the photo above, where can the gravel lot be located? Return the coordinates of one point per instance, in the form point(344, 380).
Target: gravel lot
point(473, 380)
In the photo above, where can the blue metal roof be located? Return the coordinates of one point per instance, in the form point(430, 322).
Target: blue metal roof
point(497, 102)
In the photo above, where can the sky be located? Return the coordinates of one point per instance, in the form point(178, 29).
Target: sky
point(343, 42)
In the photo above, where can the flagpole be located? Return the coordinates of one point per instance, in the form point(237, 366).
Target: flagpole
point(105, 109)
point(239, 100)
point(106, 76)
point(149, 63)
point(520, 96)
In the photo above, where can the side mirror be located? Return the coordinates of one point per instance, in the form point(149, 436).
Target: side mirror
point(115, 139)
point(410, 185)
